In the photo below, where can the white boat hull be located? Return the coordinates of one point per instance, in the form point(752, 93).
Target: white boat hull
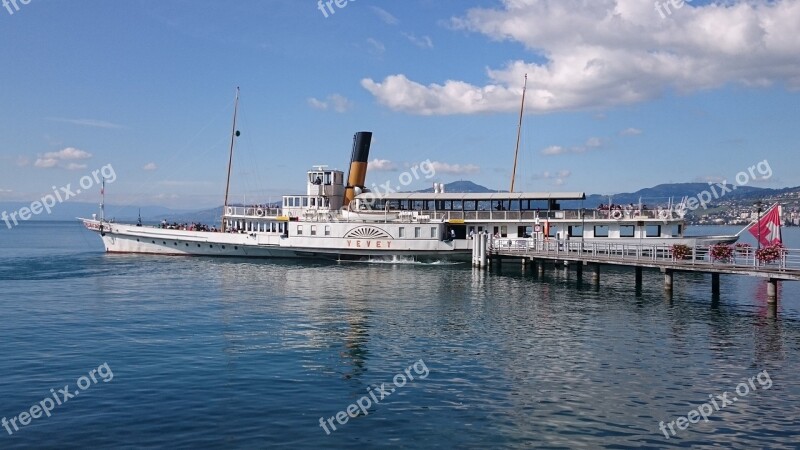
point(123, 239)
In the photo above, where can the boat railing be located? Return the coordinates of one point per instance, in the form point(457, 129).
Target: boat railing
point(569, 214)
point(252, 211)
point(788, 259)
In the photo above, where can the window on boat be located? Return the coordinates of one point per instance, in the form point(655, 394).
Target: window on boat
point(305, 202)
point(327, 178)
point(299, 230)
point(313, 202)
point(575, 230)
point(653, 231)
point(627, 231)
point(600, 231)
point(433, 233)
point(401, 232)
point(503, 231)
point(313, 230)
point(327, 230)
point(417, 232)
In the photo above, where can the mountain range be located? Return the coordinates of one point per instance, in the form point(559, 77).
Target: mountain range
point(660, 194)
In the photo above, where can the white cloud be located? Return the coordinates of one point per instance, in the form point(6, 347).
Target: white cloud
point(376, 46)
point(150, 166)
point(557, 178)
point(454, 169)
point(336, 102)
point(382, 165)
point(87, 122)
point(68, 153)
point(593, 143)
point(45, 163)
point(630, 132)
point(75, 166)
point(606, 53)
point(709, 179)
point(422, 41)
point(64, 158)
point(317, 104)
point(554, 150)
point(385, 16)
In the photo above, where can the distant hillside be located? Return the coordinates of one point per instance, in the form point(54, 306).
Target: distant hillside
point(742, 198)
point(71, 210)
point(463, 186)
point(663, 192)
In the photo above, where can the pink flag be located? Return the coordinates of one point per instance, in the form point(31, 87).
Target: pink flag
point(768, 229)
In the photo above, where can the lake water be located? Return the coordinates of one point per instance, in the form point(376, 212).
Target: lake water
point(234, 353)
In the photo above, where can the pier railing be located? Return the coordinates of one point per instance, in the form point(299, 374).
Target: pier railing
point(698, 255)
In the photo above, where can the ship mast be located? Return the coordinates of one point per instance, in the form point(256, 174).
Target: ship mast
point(519, 133)
point(103, 202)
point(234, 133)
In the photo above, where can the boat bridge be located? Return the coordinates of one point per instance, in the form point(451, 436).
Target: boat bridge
point(743, 261)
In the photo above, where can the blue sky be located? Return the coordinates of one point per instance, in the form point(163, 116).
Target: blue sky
point(619, 98)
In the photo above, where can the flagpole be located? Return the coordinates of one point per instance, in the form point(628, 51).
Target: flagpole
point(758, 221)
point(746, 227)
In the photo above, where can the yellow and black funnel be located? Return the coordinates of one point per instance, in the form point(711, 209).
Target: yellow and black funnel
point(358, 165)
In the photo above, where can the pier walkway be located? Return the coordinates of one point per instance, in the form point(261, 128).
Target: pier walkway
point(743, 261)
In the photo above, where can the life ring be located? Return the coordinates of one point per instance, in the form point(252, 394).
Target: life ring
point(260, 212)
point(663, 214)
point(616, 214)
point(230, 211)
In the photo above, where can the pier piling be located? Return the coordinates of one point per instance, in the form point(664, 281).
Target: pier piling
point(596, 274)
point(715, 283)
point(638, 256)
point(772, 290)
point(668, 279)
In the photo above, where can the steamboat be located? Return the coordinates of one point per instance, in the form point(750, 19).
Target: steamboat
point(339, 218)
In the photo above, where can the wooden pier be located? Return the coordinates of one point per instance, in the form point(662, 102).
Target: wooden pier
point(640, 256)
